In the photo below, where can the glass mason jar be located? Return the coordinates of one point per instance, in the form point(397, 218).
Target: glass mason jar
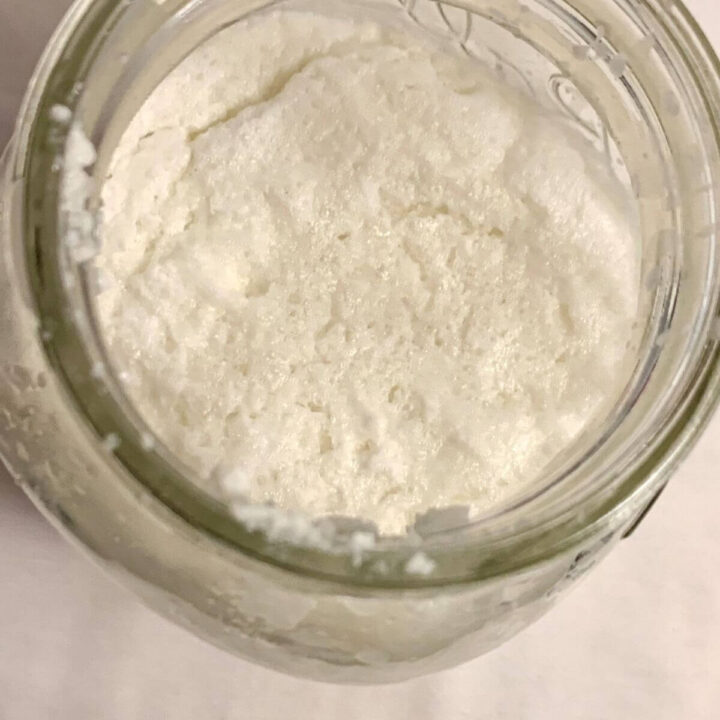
point(636, 77)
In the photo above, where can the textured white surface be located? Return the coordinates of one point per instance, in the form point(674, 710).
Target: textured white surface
point(360, 317)
point(639, 639)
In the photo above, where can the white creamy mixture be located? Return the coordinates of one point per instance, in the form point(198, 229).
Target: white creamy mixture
point(352, 274)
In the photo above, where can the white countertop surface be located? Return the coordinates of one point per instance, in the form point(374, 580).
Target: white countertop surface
point(640, 638)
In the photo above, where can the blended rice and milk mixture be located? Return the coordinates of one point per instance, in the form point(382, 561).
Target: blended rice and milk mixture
point(349, 272)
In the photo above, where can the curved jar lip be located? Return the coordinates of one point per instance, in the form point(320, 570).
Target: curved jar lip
point(572, 506)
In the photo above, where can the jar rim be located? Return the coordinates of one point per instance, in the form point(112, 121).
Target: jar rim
point(493, 545)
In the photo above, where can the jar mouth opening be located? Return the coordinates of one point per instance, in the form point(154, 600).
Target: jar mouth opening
point(674, 388)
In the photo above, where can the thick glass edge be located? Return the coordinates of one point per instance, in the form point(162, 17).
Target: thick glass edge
point(73, 365)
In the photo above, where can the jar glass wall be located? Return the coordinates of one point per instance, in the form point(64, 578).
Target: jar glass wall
point(637, 79)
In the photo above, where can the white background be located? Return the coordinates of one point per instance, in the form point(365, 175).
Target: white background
point(639, 639)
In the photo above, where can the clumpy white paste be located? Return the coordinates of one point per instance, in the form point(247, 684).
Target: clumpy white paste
point(350, 273)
